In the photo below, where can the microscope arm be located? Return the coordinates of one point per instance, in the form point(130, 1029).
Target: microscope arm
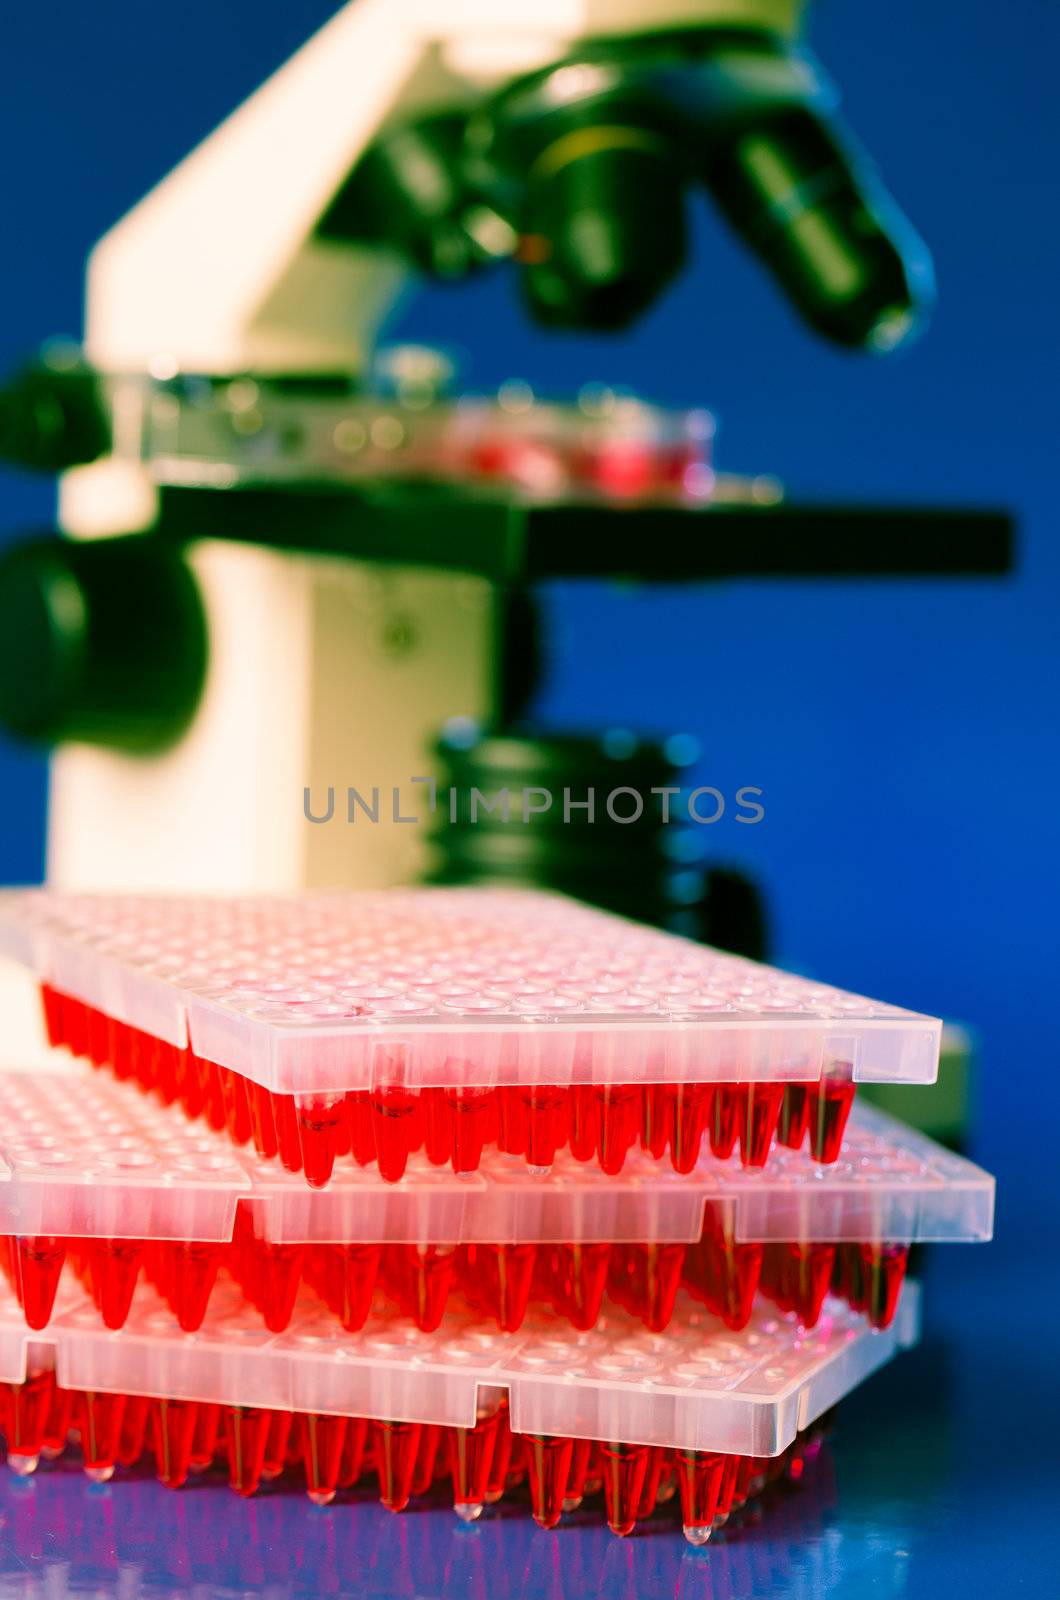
point(218, 268)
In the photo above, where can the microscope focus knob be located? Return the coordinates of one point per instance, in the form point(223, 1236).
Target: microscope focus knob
point(101, 642)
point(52, 417)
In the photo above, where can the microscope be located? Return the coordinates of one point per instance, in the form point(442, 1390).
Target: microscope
point(288, 568)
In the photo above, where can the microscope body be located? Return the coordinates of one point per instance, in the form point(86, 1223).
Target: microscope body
point(322, 672)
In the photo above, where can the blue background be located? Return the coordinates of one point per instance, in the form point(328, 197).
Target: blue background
point(904, 733)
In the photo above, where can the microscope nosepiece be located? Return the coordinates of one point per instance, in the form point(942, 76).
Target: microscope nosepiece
point(580, 171)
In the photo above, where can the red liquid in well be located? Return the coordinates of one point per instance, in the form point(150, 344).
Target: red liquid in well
point(396, 1448)
point(282, 1444)
point(584, 1121)
point(26, 1412)
point(437, 1127)
point(34, 1266)
point(759, 1108)
point(323, 1443)
point(288, 1137)
point(649, 1494)
point(262, 1122)
point(700, 1477)
point(723, 1121)
point(279, 1273)
point(173, 1424)
point(189, 1272)
point(115, 1267)
point(827, 1114)
point(690, 1111)
point(624, 1468)
point(321, 1124)
point(354, 1447)
point(794, 1115)
point(246, 1434)
point(472, 1111)
point(882, 1274)
point(427, 1457)
point(394, 1112)
point(205, 1435)
point(548, 1461)
point(547, 1123)
point(134, 1424)
point(235, 1094)
point(99, 1419)
point(503, 1447)
point(619, 1112)
point(471, 1457)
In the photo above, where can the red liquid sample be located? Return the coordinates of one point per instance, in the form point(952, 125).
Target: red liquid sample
point(624, 1469)
point(26, 1412)
point(35, 1266)
point(115, 1269)
point(246, 1434)
point(794, 1115)
point(690, 1110)
point(470, 1458)
point(619, 1110)
point(723, 1122)
point(320, 1122)
point(323, 1442)
point(353, 1451)
point(282, 1444)
point(99, 1418)
point(134, 1423)
point(584, 1121)
point(759, 1108)
point(426, 1457)
point(205, 1436)
point(396, 1448)
point(547, 1123)
point(829, 1108)
point(548, 1461)
point(472, 1110)
point(394, 1116)
point(173, 1424)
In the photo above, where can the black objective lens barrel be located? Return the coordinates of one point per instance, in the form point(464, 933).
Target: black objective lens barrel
point(604, 224)
point(410, 191)
point(814, 211)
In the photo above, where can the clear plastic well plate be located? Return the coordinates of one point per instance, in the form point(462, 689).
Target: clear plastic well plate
point(643, 1403)
point(452, 1019)
point(467, 987)
point(98, 1176)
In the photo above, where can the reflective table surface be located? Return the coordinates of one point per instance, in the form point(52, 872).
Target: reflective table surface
point(940, 1477)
